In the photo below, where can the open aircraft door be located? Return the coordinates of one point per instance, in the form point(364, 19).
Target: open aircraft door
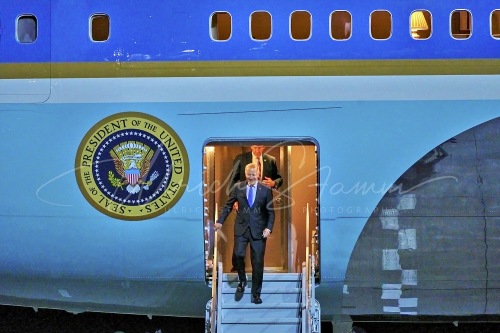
point(297, 163)
point(25, 34)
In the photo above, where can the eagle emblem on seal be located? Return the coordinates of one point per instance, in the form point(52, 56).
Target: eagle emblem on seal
point(132, 161)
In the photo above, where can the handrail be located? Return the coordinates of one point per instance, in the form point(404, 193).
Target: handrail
point(314, 313)
point(219, 296)
point(310, 309)
point(307, 240)
point(315, 310)
point(306, 281)
point(314, 247)
point(214, 278)
point(304, 308)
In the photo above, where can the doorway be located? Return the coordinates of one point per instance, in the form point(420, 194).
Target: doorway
point(297, 164)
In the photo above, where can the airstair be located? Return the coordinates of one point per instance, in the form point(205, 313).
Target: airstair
point(288, 302)
point(287, 306)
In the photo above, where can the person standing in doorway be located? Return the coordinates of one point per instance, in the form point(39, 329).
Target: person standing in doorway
point(254, 223)
point(267, 173)
point(267, 170)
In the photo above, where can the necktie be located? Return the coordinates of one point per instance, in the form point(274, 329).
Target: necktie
point(250, 195)
point(258, 168)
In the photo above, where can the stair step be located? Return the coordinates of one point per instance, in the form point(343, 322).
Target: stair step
point(267, 276)
point(267, 297)
point(265, 290)
point(270, 285)
point(261, 328)
point(261, 306)
point(259, 311)
point(260, 321)
point(255, 313)
point(273, 281)
point(279, 313)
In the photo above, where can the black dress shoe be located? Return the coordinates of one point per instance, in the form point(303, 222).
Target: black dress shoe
point(241, 286)
point(256, 299)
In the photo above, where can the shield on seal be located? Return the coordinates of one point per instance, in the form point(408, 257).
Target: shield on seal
point(132, 175)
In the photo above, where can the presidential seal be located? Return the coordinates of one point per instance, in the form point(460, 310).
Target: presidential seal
point(132, 166)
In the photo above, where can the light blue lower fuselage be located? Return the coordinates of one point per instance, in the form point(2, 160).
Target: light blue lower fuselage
point(52, 238)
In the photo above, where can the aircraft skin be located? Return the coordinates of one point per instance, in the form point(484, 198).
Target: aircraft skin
point(380, 114)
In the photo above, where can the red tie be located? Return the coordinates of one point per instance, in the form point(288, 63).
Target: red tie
point(258, 168)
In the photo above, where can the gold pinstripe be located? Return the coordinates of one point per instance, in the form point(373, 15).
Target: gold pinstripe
point(250, 68)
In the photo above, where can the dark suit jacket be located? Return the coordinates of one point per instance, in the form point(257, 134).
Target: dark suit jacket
point(269, 168)
point(258, 217)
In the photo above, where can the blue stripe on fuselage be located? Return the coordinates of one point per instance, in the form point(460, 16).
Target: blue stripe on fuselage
point(159, 31)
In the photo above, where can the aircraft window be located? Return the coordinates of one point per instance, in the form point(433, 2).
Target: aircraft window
point(340, 25)
point(260, 25)
point(26, 29)
point(99, 27)
point(461, 24)
point(495, 24)
point(220, 26)
point(300, 25)
point(380, 24)
point(420, 24)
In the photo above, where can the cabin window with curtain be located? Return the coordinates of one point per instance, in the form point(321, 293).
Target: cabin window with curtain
point(26, 29)
point(380, 24)
point(461, 24)
point(420, 24)
point(260, 25)
point(99, 27)
point(220, 26)
point(340, 25)
point(495, 24)
point(300, 25)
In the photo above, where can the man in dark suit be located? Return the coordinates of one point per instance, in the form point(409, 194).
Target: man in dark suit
point(267, 170)
point(254, 223)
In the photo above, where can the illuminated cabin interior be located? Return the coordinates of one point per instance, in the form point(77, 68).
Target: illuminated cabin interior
point(420, 24)
point(220, 24)
point(341, 25)
point(461, 24)
point(300, 25)
point(297, 163)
